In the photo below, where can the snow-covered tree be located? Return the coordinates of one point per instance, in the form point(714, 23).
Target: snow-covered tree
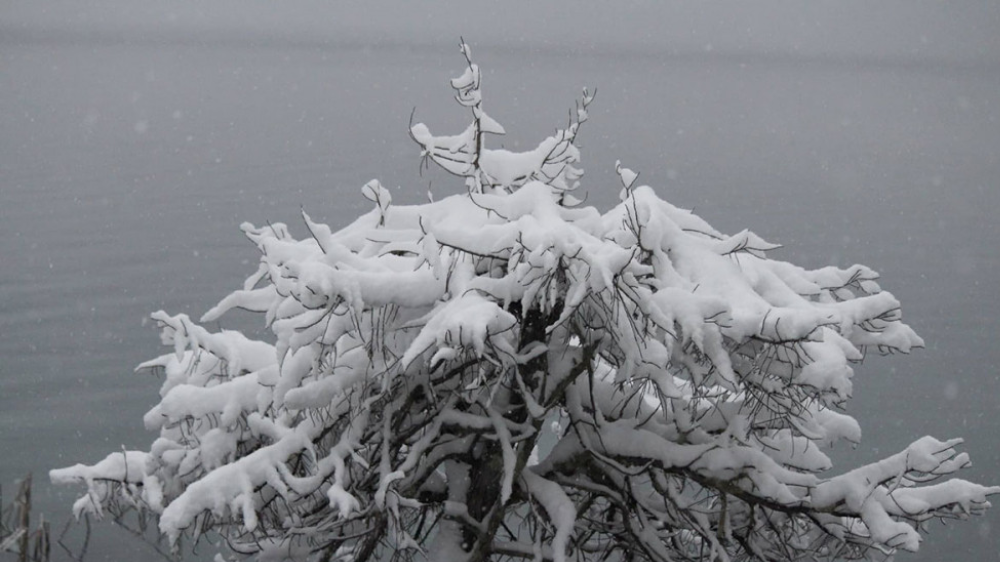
point(504, 374)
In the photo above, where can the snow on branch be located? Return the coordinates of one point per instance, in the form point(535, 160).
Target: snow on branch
point(503, 373)
point(489, 170)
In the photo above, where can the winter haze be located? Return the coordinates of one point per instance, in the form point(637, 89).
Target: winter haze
point(136, 136)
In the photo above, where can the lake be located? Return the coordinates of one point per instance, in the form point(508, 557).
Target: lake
point(133, 143)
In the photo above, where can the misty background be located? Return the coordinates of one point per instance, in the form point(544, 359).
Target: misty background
point(135, 137)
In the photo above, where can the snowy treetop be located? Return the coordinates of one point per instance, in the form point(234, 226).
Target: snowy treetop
point(690, 383)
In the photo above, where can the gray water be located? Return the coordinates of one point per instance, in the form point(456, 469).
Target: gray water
point(135, 137)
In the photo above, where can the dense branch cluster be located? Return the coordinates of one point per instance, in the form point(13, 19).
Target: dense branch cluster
point(501, 374)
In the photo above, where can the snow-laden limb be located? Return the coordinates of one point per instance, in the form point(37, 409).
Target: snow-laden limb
point(883, 493)
point(486, 170)
point(418, 358)
point(127, 468)
point(560, 509)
